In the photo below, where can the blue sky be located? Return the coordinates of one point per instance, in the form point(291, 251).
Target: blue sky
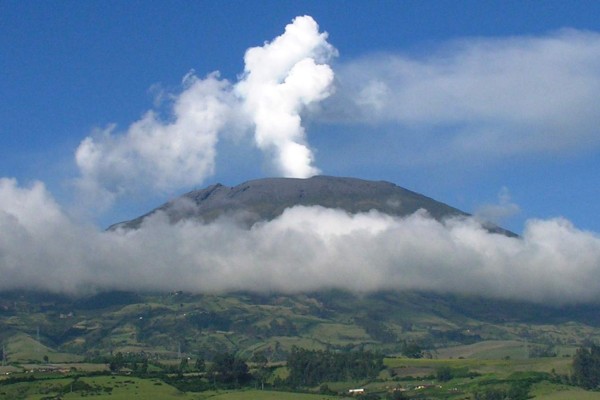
point(71, 68)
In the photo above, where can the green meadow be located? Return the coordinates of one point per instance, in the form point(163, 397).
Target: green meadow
point(132, 388)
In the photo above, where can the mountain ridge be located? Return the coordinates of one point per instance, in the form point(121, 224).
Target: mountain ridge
point(267, 198)
point(166, 324)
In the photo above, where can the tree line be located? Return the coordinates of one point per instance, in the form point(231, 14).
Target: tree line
point(306, 368)
point(586, 367)
point(313, 367)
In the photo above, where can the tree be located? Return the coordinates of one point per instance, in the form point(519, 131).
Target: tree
point(444, 374)
point(313, 367)
point(491, 394)
point(184, 365)
point(519, 391)
point(262, 372)
point(200, 365)
point(144, 367)
point(412, 350)
point(117, 362)
point(586, 367)
point(229, 369)
point(396, 395)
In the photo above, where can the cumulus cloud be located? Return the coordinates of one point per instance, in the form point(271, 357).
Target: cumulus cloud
point(306, 248)
point(481, 97)
point(156, 153)
point(280, 79)
point(468, 99)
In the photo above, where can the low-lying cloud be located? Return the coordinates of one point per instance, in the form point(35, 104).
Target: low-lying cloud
point(500, 211)
point(306, 248)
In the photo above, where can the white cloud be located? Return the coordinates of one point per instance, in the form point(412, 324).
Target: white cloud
point(496, 213)
point(488, 97)
point(497, 96)
point(469, 100)
point(280, 79)
point(307, 248)
point(159, 154)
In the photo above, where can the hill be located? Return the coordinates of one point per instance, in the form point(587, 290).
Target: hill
point(170, 325)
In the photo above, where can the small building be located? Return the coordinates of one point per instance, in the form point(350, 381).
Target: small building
point(355, 392)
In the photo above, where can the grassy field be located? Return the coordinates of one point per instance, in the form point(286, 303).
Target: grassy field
point(78, 367)
point(497, 367)
point(504, 336)
point(266, 395)
point(416, 376)
point(131, 388)
point(101, 388)
point(339, 333)
point(488, 349)
point(546, 391)
point(25, 348)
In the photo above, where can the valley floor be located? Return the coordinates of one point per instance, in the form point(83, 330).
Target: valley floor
point(410, 378)
point(470, 348)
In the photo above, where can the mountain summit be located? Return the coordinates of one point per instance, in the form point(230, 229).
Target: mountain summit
point(265, 199)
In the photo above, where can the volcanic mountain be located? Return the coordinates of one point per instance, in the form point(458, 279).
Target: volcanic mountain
point(266, 199)
point(274, 323)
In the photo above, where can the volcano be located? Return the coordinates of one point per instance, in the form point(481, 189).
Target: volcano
point(266, 199)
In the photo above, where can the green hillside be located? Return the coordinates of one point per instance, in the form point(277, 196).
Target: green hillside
point(167, 326)
point(435, 347)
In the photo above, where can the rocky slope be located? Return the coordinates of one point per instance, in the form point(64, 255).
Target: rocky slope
point(265, 199)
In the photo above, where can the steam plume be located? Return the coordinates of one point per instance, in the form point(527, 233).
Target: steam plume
point(280, 79)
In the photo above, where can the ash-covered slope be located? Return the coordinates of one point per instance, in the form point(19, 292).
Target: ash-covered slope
point(265, 199)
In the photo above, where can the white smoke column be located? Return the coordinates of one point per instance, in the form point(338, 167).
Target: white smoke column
point(280, 79)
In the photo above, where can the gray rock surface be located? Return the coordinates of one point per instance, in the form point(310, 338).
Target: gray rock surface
point(265, 199)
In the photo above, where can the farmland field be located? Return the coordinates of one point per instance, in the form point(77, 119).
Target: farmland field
point(545, 391)
point(485, 344)
point(132, 388)
point(267, 395)
point(416, 377)
point(103, 387)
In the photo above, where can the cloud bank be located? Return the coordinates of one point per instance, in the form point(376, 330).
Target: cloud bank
point(480, 97)
point(306, 248)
